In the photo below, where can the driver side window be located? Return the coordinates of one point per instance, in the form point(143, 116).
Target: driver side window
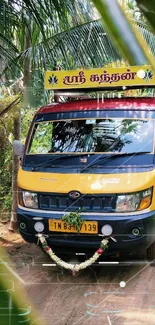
point(42, 137)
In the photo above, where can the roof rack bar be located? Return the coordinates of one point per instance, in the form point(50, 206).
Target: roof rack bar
point(88, 90)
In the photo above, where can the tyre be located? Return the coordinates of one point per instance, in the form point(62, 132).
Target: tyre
point(151, 252)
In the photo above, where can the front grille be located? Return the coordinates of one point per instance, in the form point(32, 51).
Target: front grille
point(75, 238)
point(87, 203)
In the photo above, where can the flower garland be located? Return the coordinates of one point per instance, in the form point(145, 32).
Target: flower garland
point(76, 267)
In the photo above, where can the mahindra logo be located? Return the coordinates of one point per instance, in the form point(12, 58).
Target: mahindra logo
point(74, 195)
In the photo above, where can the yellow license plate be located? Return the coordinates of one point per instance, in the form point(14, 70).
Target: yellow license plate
point(88, 227)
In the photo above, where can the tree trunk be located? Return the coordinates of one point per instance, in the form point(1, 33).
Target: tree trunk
point(17, 119)
point(15, 166)
point(27, 74)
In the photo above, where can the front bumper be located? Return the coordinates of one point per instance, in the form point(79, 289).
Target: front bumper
point(70, 243)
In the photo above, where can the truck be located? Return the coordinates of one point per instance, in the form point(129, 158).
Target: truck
point(96, 157)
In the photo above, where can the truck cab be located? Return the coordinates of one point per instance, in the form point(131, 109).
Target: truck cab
point(95, 157)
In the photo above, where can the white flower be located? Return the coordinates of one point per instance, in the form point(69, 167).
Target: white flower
point(68, 266)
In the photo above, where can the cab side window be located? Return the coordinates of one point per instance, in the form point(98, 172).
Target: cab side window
point(42, 138)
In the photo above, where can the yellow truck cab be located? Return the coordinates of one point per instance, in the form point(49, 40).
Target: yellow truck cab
point(96, 157)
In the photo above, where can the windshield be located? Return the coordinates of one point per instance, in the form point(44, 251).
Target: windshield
point(92, 136)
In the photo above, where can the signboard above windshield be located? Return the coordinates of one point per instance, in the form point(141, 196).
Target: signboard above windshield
point(100, 78)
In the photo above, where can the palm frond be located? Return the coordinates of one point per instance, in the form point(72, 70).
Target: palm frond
point(10, 106)
point(148, 9)
point(42, 18)
point(8, 43)
point(88, 45)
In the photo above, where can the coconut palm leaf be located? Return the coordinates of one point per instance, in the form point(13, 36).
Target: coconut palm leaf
point(10, 106)
point(42, 19)
point(129, 41)
point(51, 16)
point(88, 45)
point(7, 41)
point(148, 9)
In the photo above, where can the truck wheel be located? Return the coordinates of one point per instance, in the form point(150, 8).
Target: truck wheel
point(151, 252)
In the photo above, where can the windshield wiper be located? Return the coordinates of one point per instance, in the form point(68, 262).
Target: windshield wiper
point(57, 158)
point(95, 163)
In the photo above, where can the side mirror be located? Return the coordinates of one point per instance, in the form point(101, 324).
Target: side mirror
point(18, 148)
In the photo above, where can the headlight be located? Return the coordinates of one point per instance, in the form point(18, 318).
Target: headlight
point(134, 202)
point(30, 199)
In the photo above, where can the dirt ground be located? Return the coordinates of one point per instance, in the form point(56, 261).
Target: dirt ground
point(94, 296)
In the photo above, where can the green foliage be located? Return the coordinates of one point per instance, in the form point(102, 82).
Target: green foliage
point(6, 133)
point(26, 119)
point(38, 96)
point(73, 219)
point(6, 139)
point(147, 8)
point(5, 187)
point(42, 19)
point(6, 205)
point(60, 32)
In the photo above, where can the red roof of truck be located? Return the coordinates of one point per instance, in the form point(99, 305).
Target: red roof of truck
point(93, 104)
